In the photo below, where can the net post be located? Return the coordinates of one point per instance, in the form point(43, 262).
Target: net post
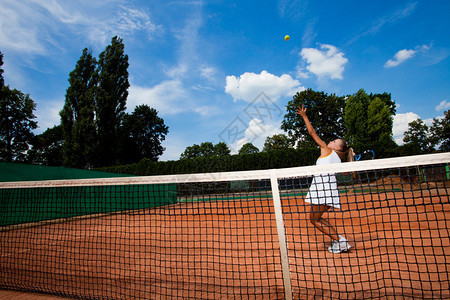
point(281, 236)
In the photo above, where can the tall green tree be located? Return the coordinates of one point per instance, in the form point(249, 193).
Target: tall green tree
point(380, 123)
point(355, 118)
point(369, 122)
point(78, 115)
point(16, 124)
point(386, 99)
point(142, 133)
point(110, 100)
point(324, 111)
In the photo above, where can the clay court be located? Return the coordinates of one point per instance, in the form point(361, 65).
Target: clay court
point(223, 249)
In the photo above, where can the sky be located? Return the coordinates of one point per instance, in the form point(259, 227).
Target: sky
point(221, 70)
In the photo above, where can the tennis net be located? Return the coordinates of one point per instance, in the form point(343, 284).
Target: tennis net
point(233, 235)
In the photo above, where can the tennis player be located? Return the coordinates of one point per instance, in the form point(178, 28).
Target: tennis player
point(323, 193)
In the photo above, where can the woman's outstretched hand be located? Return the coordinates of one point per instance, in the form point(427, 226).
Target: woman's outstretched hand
point(301, 111)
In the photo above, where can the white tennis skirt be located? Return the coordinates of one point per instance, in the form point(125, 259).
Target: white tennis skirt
point(324, 190)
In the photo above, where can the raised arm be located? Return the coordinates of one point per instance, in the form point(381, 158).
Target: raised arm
point(324, 150)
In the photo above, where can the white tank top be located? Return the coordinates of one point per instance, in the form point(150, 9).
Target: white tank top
point(332, 158)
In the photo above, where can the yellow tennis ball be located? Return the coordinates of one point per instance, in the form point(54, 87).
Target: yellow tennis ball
point(287, 37)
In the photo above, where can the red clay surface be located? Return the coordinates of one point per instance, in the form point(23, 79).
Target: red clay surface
point(229, 249)
point(14, 295)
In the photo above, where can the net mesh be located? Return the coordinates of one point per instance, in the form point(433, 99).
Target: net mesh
point(209, 236)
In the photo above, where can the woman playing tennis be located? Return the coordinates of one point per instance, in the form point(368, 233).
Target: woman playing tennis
point(323, 193)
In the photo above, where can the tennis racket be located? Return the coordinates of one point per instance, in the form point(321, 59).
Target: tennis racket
point(366, 155)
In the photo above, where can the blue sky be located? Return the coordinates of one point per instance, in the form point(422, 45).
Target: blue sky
point(221, 70)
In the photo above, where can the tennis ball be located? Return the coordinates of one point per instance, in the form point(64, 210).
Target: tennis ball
point(287, 37)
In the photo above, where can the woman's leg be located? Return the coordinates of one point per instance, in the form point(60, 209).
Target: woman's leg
point(320, 223)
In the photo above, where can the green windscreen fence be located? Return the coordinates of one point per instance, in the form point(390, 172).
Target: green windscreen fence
point(18, 206)
point(28, 172)
point(29, 205)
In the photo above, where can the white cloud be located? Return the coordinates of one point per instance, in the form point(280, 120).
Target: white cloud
point(47, 114)
point(400, 57)
point(208, 72)
point(16, 29)
point(125, 21)
point(167, 97)
point(403, 55)
point(300, 72)
point(129, 20)
point(34, 26)
point(444, 105)
point(401, 122)
point(206, 110)
point(256, 133)
point(57, 11)
point(178, 71)
point(249, 85)
point(326, 62)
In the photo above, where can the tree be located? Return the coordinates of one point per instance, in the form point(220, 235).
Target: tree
point(110, 100)
point(206, 149)
point(277, 141)
point(142, 133)
point(355, 119)
point(248, 148)
point(221, 149)
point(440, 131)
point(421, 137)
point(48, 148)
point(380, 123)
point(78, 115)
point(369, 122)
point(191, 152)
point(418, 135)
point(324, 111)
point(386, 99)
point(16, 124)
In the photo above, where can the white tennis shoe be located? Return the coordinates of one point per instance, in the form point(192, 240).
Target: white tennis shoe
point(339, 247)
